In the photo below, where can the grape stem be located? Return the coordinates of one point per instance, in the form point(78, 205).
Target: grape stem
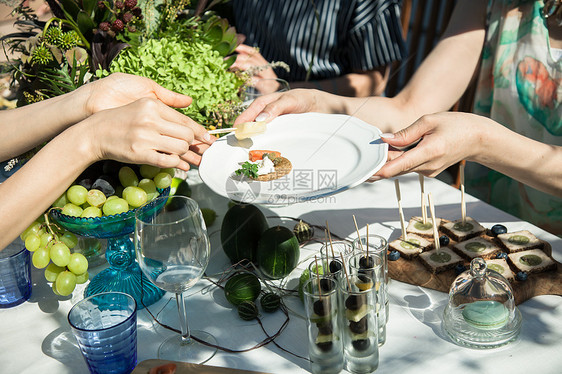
point(48, 224)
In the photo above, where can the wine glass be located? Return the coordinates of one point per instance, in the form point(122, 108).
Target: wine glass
point(173, 251)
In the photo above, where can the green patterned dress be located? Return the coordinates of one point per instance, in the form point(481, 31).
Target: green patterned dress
point(519, 87)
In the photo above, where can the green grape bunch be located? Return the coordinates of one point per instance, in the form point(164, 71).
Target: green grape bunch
point(106, 195)
point(51, 247)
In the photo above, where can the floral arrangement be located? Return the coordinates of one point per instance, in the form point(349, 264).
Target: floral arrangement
point(183, 48)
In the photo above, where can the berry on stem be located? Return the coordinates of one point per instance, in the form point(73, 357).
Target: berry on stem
point(117, 25)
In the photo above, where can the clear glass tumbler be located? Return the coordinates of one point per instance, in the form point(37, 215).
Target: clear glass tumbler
point(377, 246)
point(15, 275)
point(105, 326)
point(359, 323)
point(361, 265)
point(321, 266)
point(336, 249)
point(324, 338)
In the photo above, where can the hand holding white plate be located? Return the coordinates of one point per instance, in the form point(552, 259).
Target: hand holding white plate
point(329, 153)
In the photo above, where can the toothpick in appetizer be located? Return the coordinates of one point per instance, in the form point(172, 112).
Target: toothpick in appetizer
point(463, 203)
point(400, 212)
point(423, 207)
point(435, 232)
point(408, 245)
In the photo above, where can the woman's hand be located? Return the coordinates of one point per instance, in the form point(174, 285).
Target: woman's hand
point(267, 107)
point(121, 89)
point(145, 131)
point(444, 139)
point(249, 58)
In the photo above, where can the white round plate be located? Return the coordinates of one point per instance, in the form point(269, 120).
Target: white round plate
point(329, 153)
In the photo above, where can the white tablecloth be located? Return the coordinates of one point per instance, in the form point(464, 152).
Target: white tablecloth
point(36, 337)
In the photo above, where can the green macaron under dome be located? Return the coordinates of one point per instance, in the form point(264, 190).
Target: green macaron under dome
point(481, 312)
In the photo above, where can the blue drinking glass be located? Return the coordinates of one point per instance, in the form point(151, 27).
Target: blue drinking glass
point(15, 275)
point(105, 326)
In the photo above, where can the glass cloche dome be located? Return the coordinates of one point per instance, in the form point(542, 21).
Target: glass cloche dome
point(481, 312)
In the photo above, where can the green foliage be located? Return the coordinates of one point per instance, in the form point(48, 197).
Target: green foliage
point(163, 40)
point(152, 11)
point(189, 66)
point(66, 79)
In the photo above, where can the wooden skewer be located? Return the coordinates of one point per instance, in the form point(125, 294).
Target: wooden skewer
point(435, 233)
point(401, 213)
point(317, 275)
point(325, 246)
point(222, 131)
point(330, 239)
point(358, 235)
point(345, 272)
point(423, 207)
point(367, 242)
point(463, 203)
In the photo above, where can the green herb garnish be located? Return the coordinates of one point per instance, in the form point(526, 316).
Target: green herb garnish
point(248, 169)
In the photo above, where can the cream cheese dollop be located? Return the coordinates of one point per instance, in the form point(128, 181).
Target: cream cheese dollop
point(265, 166)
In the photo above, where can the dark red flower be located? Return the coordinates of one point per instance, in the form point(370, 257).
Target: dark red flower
point(119, 5)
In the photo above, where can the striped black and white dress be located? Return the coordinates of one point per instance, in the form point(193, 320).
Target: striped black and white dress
point(351, 35)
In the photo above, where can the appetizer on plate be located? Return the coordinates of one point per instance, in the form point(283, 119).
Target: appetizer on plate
point(459, 231)
point(440, 260)
point(411, 247)
point(477, 247)
point(501, 266)
point(519, 241)
point(531, 261)
point(264, 166)
point(416, 226)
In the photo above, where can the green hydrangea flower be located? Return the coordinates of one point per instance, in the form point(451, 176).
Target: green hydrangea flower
point(190, 67)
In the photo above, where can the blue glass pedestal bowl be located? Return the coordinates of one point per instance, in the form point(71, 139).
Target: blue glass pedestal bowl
point(123, 274)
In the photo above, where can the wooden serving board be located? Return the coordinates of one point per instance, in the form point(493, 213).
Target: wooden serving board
point(173, 367)
point(414, 272)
